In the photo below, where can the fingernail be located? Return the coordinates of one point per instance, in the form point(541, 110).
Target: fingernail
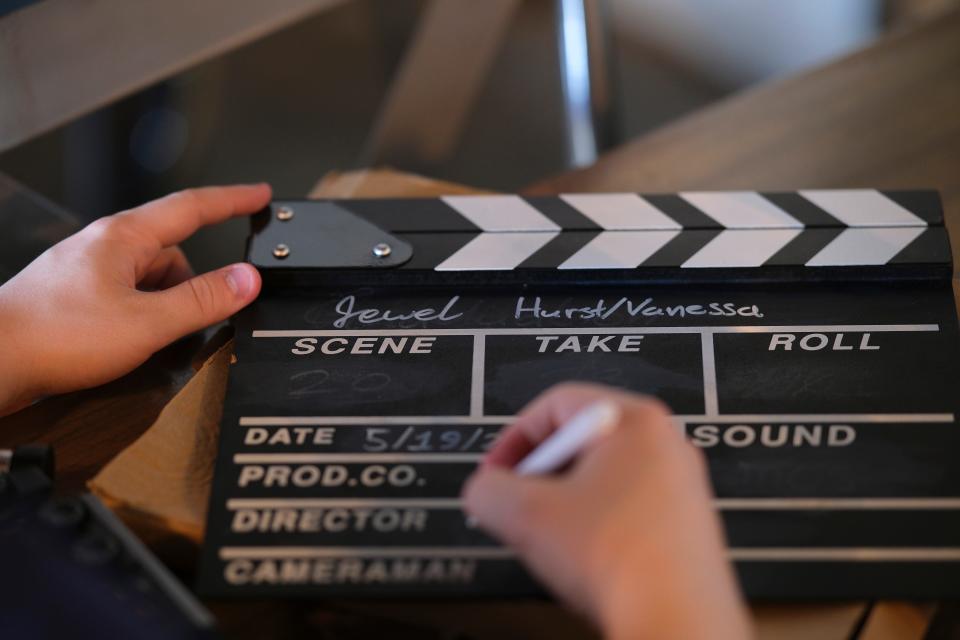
point(240, 280)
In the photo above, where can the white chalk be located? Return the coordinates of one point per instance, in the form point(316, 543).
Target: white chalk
point(563, 445)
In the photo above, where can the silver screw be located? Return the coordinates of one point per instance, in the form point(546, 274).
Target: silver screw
point(284, 213)
point(382, 250)
point(281, 251)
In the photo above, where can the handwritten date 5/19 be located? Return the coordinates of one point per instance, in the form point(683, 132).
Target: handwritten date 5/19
point(421, 439)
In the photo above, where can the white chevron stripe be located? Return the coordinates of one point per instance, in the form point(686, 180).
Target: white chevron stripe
point(742, 248)
point(862, 208)
point(496, 251)
point(741, 210)
point(618, 249)
point(619, 211)
point(865, 246)
point(501, 213)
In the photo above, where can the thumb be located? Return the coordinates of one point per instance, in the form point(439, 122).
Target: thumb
point(512, 508)
point(206, 299)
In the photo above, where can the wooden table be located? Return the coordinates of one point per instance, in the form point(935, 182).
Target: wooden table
point(888, 116)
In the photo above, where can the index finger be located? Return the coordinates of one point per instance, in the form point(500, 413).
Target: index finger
point(175, 217)
point(547, 412)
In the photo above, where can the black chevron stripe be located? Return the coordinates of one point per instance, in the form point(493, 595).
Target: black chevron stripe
point(806, 245)
point(682, 212)
point(924, 204)
point(430, 249)
point(930, 247)
point(565, 216)
point(809, 214)
point(684, 245)
point(556, 252)
point(410, 215)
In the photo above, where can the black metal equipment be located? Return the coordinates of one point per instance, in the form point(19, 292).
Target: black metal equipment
point(807, 341)
point(71, 569)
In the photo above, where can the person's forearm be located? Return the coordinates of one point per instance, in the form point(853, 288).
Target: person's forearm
point(15, 379)
point(692, 621)
point(678, 604)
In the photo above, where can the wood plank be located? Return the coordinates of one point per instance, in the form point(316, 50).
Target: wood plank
point(897, 621)
point(799, 621)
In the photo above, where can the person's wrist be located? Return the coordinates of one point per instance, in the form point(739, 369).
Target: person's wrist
point(644, 616)
point(16, 377)
point(619, 593)
point(622, 625)
point(644, 597)
point(641, 609)
point(622, 605)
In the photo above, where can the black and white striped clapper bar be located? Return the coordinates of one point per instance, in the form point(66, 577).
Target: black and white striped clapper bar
point(806, 341)
point(710, 232)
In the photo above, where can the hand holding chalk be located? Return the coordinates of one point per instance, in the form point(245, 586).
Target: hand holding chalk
point(628, 536)
point(564, 444)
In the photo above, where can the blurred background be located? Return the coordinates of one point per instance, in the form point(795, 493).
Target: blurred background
point(494, 94)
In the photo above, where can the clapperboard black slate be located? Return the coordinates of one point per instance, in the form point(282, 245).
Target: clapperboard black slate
point(807, 341)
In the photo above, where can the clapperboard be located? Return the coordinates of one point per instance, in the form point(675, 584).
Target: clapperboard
point(806, 341)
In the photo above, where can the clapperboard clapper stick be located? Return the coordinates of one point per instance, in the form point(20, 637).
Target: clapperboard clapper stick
point(806, 341)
